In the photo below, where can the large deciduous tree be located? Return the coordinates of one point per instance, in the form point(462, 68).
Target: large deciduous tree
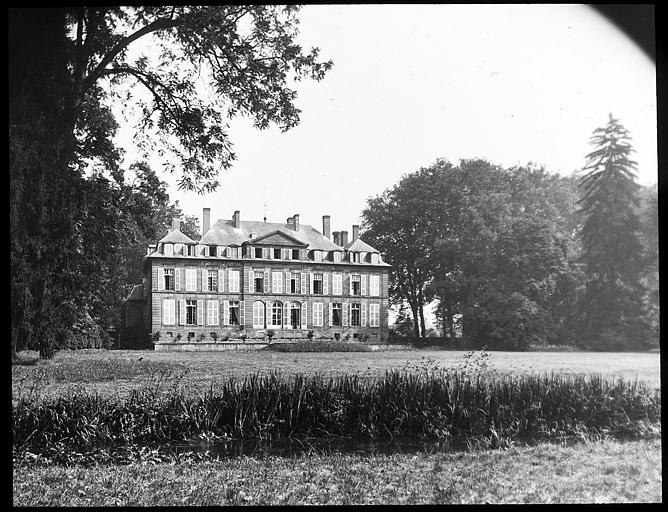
point(612, 306)
point(64, 63)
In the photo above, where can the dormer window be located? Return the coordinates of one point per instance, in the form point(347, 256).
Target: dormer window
point(277, 254)
point(212, 250)
point(191, 250)
point(337, 256)
point(258, 252)
point(374, 258)
point(317, 255)
point(295, 254)
point(232, 252)
point(168, 249)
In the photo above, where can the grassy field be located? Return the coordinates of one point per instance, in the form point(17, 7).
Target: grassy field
point(117, 372)
point(597, 472)
point(589, 472)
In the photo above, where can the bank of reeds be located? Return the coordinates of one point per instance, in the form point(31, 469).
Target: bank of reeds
point(397, 404)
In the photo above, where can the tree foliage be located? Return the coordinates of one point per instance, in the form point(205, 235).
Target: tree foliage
point(66, 184)
point(612, 306)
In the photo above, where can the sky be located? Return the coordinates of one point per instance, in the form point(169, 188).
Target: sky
point(509, 83)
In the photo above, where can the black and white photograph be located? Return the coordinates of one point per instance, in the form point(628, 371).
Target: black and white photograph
point(334, 254)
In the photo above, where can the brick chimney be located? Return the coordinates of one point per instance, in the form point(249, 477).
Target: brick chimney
point(176, 224)
point(206, 220)
point(356, 232)
point(325, 225)
point(237, 219)
point(344, 238)
point(288, 221)
point(295, 222)
point(337, 235)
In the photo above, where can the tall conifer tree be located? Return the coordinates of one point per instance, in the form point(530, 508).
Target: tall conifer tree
point(611, 309)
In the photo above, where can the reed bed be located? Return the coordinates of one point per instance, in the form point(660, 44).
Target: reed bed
point(435, 405)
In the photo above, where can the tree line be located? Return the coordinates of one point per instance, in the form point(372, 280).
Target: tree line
point(515, 257)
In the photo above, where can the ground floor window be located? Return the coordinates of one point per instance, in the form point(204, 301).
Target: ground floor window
point(336, 314)
point(295, 315)
point(318, 314)
point(355, 315)
point(234, 312)
point(374, 315)
point(277, 314)
point(258, 314)
point(191, 312)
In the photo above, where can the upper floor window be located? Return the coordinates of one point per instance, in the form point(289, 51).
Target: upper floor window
point(258, 252)
point(212, 281)
point(337, 284)
point(295, 280)
point(277, 254)
point(317, 255)
point(169, 279)
point(355, 285)
point(259, 281)
point(191, 279)
point(374, 286)
point(212, 251)
point(355, 257)
point(374, 258)
point(168, 249)
point(232, 252)
point(233, 281)
point(295, 254)
point(317, 284)
point(277, 282)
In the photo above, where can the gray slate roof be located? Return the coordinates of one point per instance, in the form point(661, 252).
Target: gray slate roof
point(359, 246)
point(176, 237)
point(223, 232)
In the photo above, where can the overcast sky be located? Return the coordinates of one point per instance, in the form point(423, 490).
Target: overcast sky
point(410, 84)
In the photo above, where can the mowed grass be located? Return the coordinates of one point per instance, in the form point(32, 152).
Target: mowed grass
point(118, 372)
point(596, 472)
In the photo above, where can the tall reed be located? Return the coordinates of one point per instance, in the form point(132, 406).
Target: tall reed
point(397, 404)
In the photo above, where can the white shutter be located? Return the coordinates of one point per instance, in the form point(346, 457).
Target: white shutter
point(213, 310)
point(363, 315)
point(251, 277)
point(226, 312)
point(200, 312)
point(286, 314)
point(161, 278)
point(165, 312)
point(325, 284)
point(177, 279)
point(344, 314)
point(304, 283)
point(242, 313)
point(304, 315)
point(266, 281)
point(182, 312)
point(204, 274)
point(363, 279)
point(350, 284)
point(286, 274)
point(310, 290)
point(221, 282)
point(330, 314)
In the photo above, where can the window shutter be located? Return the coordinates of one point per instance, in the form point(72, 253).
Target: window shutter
point(350, 284)
point(304, 290)
point(304, 316)
point(182, 312)
point(284, 254)
point(177, 279)
point(165, 312)
point(266, 280)
point(160, 278)
point(251, 277)
point(325, 284)
point(204, 273)
point(286, 274)
point(363, 279)
point(200, 312)
point(363, 315)
point(344, 314)
point(330, 314)
point(221, 282)
point(310, 290)
point(286, 314)
point(242, 313)
point(226, 312)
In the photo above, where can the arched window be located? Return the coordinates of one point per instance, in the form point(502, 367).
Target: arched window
point(295, 315)
point(277, 314)
point(258, 314)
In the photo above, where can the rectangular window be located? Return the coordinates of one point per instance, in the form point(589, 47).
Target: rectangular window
point(169, 279)
point(232, 252)
point(295, 254)
point(336, 314)
point(355, 315)
point(259, 281)
point(191, 312)
point(234, 312)
point(318, 309)
point(277, 254)
point(355, 286)
point(169, 311)
point(212, 312)
point(191, 279)
point(317, 284)
point(277, 314)
point(374, 315)
point(295, 316)
point(233, 276)
point(374, 286)
point(258, 252)
point(258, 314)
point(212, 281)
point(337, 284)
point(294, 283)
point(277, 282)
point(317, 255)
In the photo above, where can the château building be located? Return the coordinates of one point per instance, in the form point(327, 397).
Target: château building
point(244, 278)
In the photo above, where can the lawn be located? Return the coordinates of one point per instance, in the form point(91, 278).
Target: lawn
point(118, 371)
point(596, 472)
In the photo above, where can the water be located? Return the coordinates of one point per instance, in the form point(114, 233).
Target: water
point(289, 447)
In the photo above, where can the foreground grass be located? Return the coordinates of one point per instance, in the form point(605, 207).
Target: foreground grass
point(118, 372)
point(596, 472)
